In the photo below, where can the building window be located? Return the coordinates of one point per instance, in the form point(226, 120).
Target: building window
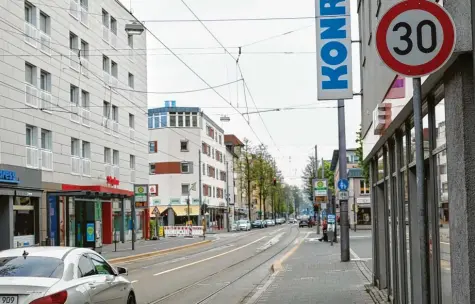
point(46, 140)
point(131, 80)
point(443, 169)
point(105, 64)
point(31, 136)
point(44, 23)
point(115, 113)
point(130, 41)
point(131, 121)
point(107, 155)
point(74, 95)
point(115, 158)
point(114, 69)
point(194, 120)
point(186, 167)
point(113, 25)
point(105, 18)
point(152, 169)
point(106, 109)
point(84, 49)
point(84, 99)
point(73, 42)
point(180, 119)
point(132, 162)
point(30, 74)
point(29, 13)
point(364, 188)
point(172, 119)
point(75, 147)
point(45, 81)
point(185, 189)
point(152, 147)
point(86, 149)
point(184, 146)
point(187, 120)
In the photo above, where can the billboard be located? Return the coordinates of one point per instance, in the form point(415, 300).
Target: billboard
point(334, 66)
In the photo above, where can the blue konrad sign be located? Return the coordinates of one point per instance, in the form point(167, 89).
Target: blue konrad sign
point(343, 184)
point(334, 67)
point(331, 219)
point(9, 177)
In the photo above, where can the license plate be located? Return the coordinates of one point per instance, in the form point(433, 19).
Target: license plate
point(8, 299)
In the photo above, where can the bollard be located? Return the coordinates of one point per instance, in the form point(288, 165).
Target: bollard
point(115, 241)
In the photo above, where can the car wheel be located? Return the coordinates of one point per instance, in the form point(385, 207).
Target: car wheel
point(131, 299)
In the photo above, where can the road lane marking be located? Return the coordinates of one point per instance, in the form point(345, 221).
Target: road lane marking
point(209, 258)
point(134, 281)
point(273, 241)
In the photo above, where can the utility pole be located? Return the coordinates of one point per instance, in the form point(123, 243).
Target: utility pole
point(227, 195)
point(345, 227)
point(316, 175)
point(248, 185)
point(199, 185)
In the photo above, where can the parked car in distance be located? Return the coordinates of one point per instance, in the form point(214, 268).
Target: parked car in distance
point(258, 224)
point(61, 275)
point(292, 221)
point(244, 225)
point(303, 223)
point(270, 222)
point(280, 221)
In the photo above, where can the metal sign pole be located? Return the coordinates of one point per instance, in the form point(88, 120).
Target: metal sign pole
point(423, 221)
point(345, 227)
point(132, 207)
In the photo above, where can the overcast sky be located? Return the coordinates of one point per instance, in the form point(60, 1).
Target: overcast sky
point(275, 80)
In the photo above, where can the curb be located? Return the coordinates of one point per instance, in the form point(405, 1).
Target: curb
point(155, 253)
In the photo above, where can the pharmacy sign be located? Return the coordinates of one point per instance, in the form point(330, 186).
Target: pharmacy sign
point(320, 187)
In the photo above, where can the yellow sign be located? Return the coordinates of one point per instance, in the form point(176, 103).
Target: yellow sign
point(160, 231)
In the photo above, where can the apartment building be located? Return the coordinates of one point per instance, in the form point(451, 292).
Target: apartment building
point(234, 147)
point(407, 272)
point(184, 142)
point(73, 133)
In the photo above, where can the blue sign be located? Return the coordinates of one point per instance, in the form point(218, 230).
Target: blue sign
point(90, 232)
point(331, 219)
point(334, 67)
point(343, 184)
point(9, 177)
point(324, 213)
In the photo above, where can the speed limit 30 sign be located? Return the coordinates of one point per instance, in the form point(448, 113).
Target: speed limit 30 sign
point(415, 37)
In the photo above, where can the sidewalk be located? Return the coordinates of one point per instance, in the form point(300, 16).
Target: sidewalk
point(314, 274)
point(142, 246)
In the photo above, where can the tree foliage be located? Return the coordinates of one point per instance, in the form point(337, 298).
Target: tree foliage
point(310, 172)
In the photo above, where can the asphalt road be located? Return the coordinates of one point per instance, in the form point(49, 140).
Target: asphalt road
point(228, 270)
point(362, 247)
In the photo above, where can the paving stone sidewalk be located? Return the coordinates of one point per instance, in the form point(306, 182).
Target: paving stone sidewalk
point(314, 274)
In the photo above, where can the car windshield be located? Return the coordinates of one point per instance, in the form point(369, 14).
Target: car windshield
point(35, 266)
point(257, 222)
point(241, 222)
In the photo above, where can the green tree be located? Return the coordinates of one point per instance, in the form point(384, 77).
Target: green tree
point(359, 153)
point(308, 174)
point(328, 174)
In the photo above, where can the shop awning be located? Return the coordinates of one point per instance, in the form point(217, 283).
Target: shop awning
point(97, 189)
point(183, 210)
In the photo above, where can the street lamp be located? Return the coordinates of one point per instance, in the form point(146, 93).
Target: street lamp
point(134, 28)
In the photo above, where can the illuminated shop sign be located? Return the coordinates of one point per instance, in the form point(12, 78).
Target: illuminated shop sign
point(9, 177)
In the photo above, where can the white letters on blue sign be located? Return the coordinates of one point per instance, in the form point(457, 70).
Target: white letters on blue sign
point(334, 69)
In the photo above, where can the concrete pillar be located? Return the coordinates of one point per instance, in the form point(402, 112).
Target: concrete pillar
point(382, 242)
point(122, 221)
point(460, 134)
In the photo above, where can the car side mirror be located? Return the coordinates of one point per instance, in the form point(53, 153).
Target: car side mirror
point(122, 271)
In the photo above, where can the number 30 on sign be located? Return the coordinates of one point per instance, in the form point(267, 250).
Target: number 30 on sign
point(415, 37)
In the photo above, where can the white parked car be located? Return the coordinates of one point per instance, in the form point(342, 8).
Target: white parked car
point(270, 222)
point(244, 225)
point(61, 275)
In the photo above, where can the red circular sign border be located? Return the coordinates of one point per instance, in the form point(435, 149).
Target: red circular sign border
point(428, 67)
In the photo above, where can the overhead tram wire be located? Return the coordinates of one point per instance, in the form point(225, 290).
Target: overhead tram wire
point(237, 62)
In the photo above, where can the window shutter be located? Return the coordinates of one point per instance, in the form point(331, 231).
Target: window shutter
point(156, 146)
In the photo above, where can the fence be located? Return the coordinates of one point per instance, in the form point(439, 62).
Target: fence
point(184, 231)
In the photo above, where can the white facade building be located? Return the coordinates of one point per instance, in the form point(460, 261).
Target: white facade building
point(178, 137)
point(68, 107)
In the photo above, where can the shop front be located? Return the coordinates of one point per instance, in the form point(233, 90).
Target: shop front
point(363, 214)
point(20, 195)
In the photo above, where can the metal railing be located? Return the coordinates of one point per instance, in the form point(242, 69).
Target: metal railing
point(46, 159)
point(86, 167)
point(75, 165)
point(32, 157)
point(31, 95)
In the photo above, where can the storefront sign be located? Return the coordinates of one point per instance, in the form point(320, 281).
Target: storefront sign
point(9, 177)
point(320, 187)
point(141, 196)
point(112, 181)
point(90, 232)
point(153, 190)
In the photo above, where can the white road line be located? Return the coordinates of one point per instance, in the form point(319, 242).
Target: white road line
point(353, 253)
point(207, 259)
point(134, 281)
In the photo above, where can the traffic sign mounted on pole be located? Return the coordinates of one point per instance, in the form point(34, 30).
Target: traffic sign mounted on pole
point(343, 184)
point(415, 37)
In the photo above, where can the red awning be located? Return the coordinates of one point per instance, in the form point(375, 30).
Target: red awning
point(96, 188)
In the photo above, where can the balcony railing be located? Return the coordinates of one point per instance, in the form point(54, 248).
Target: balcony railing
point(31, 95)
point(132, 134)
point(45, 43)
point(106, 123)
point(115, 128)
point(45, 101)
point(32, 157)
point(75, 165)
point(31, 34)
point(85, 66)
point(84, 16)
point(75, 113)
point(46, 159)
point(86, 167)
point(113, 81)
point(105, 33)
point(74, 60)
point(113, 40)
point(132, 176)
point(116, 171)
point(106, 77)
point(86, 117)
point(108, 169)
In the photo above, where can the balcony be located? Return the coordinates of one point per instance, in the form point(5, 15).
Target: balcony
point(108, 169)
point(115, 128)
point(31, 34)
point(74, 60)
point(84, 16)
point(85, 117)
point(32, 157)
point(75, 165)
point(74, 8)
point(116, 171)
point(46, 159)
point(31, 95)
point(132, 176)
point(86, 167)
point(132, 134)
point(84, 66)
point(105, 33)
point(75, 113)
point(106, 76)
point(113, 81)
point(45, 101)
point(45, 43)
point(113, 40)
point(106, 123)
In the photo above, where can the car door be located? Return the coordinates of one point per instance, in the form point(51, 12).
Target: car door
point(108, 287)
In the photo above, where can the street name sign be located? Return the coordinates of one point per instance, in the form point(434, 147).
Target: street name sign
point(343, 184)
point(415, 37)
point(343, 195)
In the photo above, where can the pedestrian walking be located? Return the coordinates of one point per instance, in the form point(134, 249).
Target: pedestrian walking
point(324, 229)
